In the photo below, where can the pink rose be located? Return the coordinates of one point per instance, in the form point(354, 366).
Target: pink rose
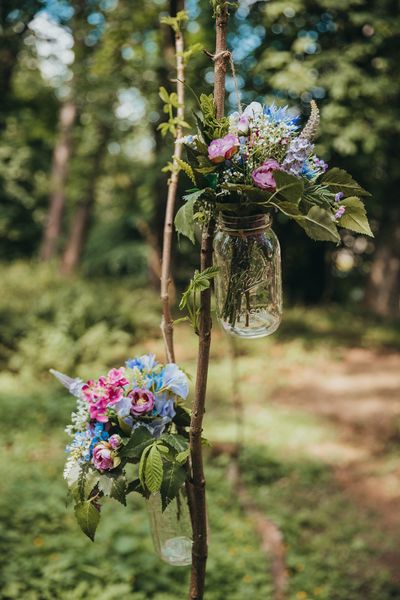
point(115, 441)
point(263, 177)
point(103, 456)
point(223, 148)
point(142, 401)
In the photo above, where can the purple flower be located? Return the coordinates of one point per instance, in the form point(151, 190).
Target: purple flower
point(340, 212)
point(115, 441)
point(223, 148)
point(243, 125)
point(103, 456)
point(263, 176)
point(142, 401)
point(339, 196)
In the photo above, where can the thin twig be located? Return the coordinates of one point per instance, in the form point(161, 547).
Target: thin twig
point(167, 326)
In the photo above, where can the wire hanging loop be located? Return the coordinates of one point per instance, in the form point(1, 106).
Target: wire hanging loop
point(227, 55)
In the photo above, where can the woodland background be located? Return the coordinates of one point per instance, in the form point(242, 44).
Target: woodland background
point(79, 140)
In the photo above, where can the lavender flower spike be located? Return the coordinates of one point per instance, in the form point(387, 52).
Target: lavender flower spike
point(310, 130)
point(74, 386)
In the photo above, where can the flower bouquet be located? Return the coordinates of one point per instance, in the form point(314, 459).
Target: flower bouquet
point(125, 436)
point(255, 163)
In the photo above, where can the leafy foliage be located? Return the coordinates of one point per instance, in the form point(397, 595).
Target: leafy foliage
point(190, 300)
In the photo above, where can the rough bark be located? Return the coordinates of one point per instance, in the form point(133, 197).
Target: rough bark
point(382, 295)
point(59, 171)
point(83, 213)
point(199, 552)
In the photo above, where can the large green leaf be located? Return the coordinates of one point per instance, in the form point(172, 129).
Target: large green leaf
point(319, 225)
point(174, 478)
point(175, 441)
point(119, 488)
point(184, 220)
point(153, 470)
point(339, 180)
point(288, 187)
point(139, 440)
point(88, 518)
point(355, 217)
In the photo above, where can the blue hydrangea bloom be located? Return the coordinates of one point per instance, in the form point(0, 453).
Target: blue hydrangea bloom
point(164, 406)
point(145, 362)
point(175, 380)
point(278, 115)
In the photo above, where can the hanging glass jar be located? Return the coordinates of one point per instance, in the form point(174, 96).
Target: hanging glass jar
point(248, 285)
point(171, 529)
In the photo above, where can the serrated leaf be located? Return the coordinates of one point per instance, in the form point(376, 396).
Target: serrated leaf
point(153, 470)
point(175, 441)
point(184, 222)
point(118, 489)
point(88, 518)
point(318, 225)
point(174, 478)
point(105, 484)
point(139, 440)
point(338, 180)
point(355, 216)
point(182, 457)
point(289, 187)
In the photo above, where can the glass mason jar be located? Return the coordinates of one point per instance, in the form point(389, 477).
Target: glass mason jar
point(248, 285)
point(171, 529)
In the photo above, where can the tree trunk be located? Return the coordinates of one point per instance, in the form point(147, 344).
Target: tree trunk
point(200, 548)
point(82, 217)
point(61, 157)
point(382, 295)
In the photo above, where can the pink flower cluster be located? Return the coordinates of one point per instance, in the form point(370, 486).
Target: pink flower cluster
point(104, 393)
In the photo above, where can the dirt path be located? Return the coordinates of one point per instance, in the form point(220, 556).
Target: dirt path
point(360, 396)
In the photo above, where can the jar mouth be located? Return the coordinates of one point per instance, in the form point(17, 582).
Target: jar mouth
point(248, 224)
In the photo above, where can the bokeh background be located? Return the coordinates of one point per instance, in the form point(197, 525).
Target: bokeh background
point(82, 197)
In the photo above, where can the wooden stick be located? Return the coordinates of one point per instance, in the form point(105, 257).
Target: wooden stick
point(199, 552)
point(166, 321)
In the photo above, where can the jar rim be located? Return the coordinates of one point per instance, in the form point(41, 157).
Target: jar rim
point(247, 223)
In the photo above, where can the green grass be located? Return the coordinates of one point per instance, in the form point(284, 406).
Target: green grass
point(334, 547)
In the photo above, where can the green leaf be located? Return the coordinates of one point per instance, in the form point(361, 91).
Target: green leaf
point(355, 217)
point(339, 180)
point(88, 518)
point(288, 186)
point(136, 486)
point(182, 457)
point(164, 95)
point(139, 440)
point(119, 488)
point(319, 225)
point(175, 441)
point(105, 484)
point(193, 195)
point(174, 478)
point(184, 222)
point(153, 471)
point(182, 415)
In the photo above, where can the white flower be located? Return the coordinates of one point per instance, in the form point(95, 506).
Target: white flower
point(253, 110)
